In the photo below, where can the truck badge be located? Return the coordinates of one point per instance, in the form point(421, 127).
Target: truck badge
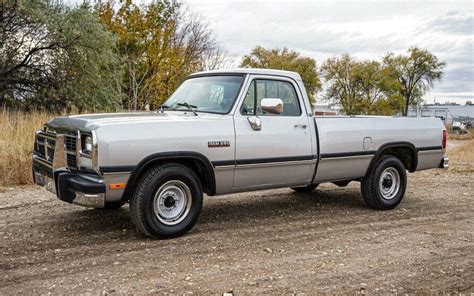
point(218, 144)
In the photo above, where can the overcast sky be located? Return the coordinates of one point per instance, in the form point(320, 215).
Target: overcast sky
point(366, 30)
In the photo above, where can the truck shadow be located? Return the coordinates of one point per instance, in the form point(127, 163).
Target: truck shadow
point(231, 211)
point(274, 206)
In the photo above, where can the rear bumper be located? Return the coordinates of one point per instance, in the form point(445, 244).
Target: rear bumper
point(81, 189)
point(444, 163)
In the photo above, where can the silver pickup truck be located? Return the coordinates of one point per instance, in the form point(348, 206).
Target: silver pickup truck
point(224, 132)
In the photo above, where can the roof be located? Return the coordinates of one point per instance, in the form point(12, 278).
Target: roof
point(291, 74)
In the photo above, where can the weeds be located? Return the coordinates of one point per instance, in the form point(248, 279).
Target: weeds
point(17, 131)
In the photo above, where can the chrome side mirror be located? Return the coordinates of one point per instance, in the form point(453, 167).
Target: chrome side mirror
point(273, 106)
point(255, 123)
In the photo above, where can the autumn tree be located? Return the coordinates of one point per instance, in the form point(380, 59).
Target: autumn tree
point(160, 45)
point(361, 87)
point(285, 59)
point(415, 72)
point(343, 86)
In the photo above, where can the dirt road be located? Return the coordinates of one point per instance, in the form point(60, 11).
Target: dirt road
point(272, 242)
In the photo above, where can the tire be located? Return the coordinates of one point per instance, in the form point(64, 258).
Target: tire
point(112, 205)
point(305, 189)
point(384, 187)
point(167, 201)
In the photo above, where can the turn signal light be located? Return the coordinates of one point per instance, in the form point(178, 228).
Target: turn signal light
point(117, 186)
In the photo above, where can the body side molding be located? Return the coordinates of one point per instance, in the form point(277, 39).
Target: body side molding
point(263, 160)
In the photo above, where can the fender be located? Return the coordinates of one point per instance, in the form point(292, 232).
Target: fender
point(202, 160)
point(389, 145)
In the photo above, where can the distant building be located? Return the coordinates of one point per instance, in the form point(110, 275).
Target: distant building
point(447, 112)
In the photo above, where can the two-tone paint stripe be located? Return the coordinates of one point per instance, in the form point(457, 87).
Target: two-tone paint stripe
point(268, 160)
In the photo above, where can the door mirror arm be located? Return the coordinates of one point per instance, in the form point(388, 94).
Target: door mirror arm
point(255, 123)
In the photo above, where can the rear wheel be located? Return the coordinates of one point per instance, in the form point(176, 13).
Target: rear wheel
point(167, 201)
point(305, 189)
point(384, 187)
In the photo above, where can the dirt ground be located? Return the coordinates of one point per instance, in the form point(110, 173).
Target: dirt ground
point(271, 242)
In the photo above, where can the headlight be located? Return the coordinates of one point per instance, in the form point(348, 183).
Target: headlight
point(87, 151)
point(86, 144)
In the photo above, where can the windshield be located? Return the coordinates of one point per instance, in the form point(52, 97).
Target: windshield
point(214, 94)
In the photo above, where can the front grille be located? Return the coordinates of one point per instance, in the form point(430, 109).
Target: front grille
point(71, 145)
point(45, 144)
point(71, 161)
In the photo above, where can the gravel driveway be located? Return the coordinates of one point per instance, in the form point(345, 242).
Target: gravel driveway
point(273, 241)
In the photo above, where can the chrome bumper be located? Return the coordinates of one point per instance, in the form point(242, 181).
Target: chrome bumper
point(444, 163)
point(86, 191)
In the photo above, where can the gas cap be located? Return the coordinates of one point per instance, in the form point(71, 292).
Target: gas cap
point(368, 143)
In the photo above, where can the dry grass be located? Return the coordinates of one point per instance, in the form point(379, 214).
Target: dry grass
point(461, 158)
point(461, 137)
point(16, 145)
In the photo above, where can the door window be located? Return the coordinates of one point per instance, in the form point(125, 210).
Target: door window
point(262, 88)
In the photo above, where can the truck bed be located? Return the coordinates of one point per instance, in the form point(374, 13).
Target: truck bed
point(347, 144)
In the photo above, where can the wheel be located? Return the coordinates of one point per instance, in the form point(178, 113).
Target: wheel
point(309, 188)
point(167, 201)
point(384, 187)
point(112, 205)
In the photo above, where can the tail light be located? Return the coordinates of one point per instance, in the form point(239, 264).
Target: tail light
point(444, 139)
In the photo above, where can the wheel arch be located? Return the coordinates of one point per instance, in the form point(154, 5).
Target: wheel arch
point(195, 161)
point(405, 151)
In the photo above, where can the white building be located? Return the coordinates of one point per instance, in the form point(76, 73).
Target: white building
point(448, 113)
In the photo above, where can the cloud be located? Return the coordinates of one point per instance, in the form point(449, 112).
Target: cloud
point(456, 22)
point(364, 30)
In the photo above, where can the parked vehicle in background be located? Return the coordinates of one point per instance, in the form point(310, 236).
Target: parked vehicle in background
point(224, 132)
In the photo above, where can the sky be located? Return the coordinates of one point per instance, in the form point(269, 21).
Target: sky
point(364, 29)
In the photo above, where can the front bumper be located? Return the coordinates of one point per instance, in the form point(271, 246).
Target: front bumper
point(444, 163)
point(82, 189)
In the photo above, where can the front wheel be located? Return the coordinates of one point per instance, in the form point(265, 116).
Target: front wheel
point(167, 201)
point(384, 187)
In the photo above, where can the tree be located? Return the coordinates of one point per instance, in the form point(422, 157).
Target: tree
point(285, 59)
point(361, 87)
point(415, 72)
point(161, 46)
point(54, 57)
point(343, 86)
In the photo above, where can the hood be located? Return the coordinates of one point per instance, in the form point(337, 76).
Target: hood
point(90, 122)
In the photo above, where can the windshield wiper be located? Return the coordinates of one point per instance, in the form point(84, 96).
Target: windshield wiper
point(190, 107)
point(162, 108)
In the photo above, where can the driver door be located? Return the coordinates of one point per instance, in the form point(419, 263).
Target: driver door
point(280, 152)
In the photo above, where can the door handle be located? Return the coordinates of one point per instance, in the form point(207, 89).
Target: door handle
point(301, 125)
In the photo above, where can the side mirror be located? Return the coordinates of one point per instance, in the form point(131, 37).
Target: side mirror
point(273, 106)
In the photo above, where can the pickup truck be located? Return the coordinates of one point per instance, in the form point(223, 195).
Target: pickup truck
point(228, 131)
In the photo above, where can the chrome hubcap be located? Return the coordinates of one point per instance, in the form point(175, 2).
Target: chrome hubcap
point(172, 202)
point(389, 183)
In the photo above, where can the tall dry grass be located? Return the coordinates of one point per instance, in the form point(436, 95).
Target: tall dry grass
point(461, 157)
point(16, 144)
